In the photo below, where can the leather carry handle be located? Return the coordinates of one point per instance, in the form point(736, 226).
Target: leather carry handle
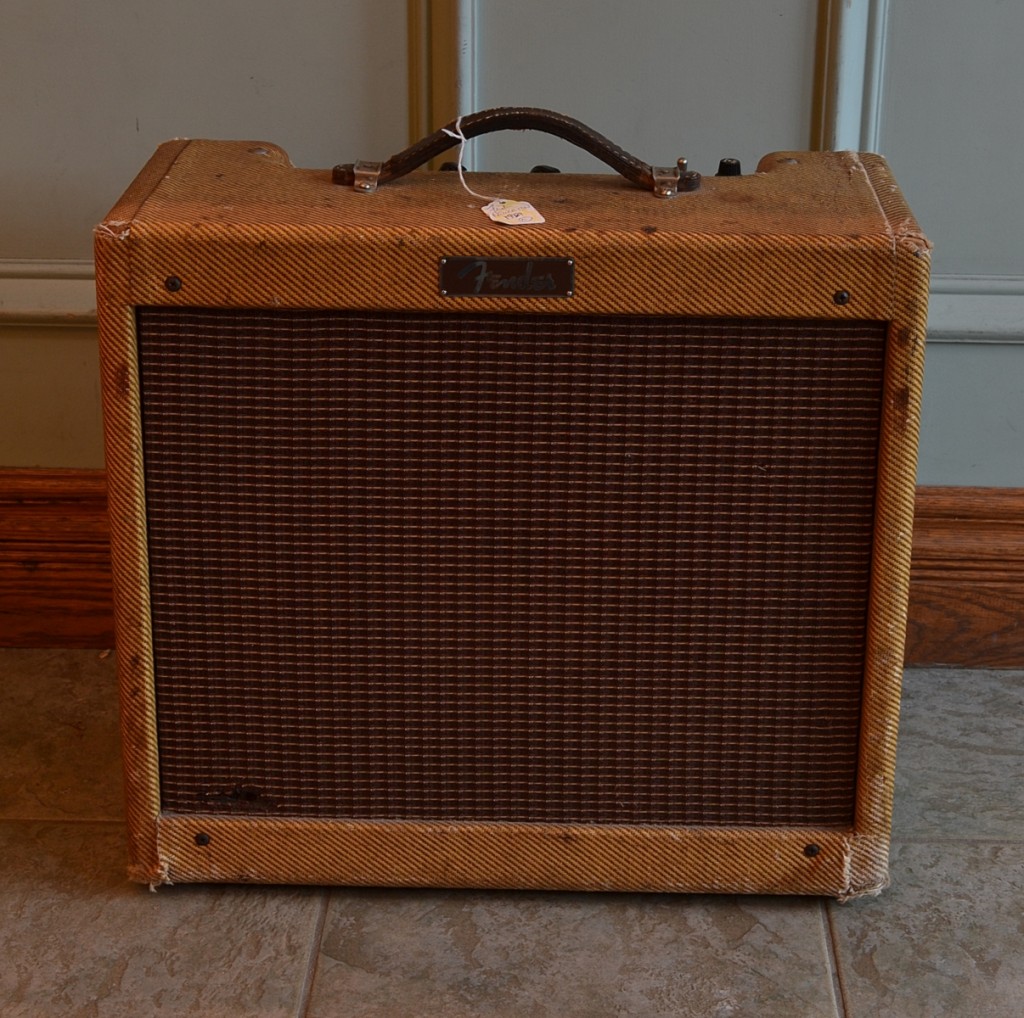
point(664, 182)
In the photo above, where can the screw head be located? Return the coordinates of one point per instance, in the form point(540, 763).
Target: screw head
point(173, 284)
point(841, 297)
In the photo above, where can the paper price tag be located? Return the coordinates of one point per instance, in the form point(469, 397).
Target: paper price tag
point(512, 213)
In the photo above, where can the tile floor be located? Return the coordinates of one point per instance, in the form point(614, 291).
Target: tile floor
point(947, 939)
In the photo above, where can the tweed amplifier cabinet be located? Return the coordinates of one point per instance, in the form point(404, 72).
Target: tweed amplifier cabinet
point(564, 555)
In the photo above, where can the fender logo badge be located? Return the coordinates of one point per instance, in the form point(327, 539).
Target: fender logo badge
point(507, 277)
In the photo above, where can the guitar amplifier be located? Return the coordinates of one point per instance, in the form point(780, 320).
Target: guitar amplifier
point(449, 552)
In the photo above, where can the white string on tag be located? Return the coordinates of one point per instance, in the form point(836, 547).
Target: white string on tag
point(462, 139)
point(498, 210)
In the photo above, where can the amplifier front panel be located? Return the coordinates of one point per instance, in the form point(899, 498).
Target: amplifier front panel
point(579, 570)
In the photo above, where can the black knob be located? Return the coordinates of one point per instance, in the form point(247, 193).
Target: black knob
point(729, 168)
point(544, 168)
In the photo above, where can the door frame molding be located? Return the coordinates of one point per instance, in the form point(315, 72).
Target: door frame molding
point(442, 64)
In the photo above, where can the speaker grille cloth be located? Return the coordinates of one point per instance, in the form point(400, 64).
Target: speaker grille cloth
point(509, 568)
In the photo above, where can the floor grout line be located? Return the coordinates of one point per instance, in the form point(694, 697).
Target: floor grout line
point(939, 840)
point(306, 992)
point(832, 947)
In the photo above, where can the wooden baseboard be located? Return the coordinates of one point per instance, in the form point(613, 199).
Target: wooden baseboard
point(967, 578)
point(54, 559)
point(966, 594)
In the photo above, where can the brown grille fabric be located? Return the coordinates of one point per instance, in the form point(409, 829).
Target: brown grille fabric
point(509, 568)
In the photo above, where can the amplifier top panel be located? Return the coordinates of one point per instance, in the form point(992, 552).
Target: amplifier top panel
point(254, 183)
point(832, 225)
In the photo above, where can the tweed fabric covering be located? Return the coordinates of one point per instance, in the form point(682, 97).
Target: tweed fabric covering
point(127, 509)
point(240, 228)
point(894, 513)
point(535, 856)
point(264, 235)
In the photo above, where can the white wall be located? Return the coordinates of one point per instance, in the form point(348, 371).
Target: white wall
point(952, 126)
point(940, 86)
point(88, 90)
point(662, 79)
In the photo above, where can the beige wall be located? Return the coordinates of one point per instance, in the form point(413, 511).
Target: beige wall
point(50, 395)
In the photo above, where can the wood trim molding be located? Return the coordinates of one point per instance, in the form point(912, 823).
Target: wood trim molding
point(967, 578)
point(38, 292)
point(966, 585)
point(442, 71)
point(977, 309)
point(55, 588)
point(849, 74)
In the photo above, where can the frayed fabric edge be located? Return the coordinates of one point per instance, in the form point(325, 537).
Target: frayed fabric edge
point(145, 875)
point(865, 868)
